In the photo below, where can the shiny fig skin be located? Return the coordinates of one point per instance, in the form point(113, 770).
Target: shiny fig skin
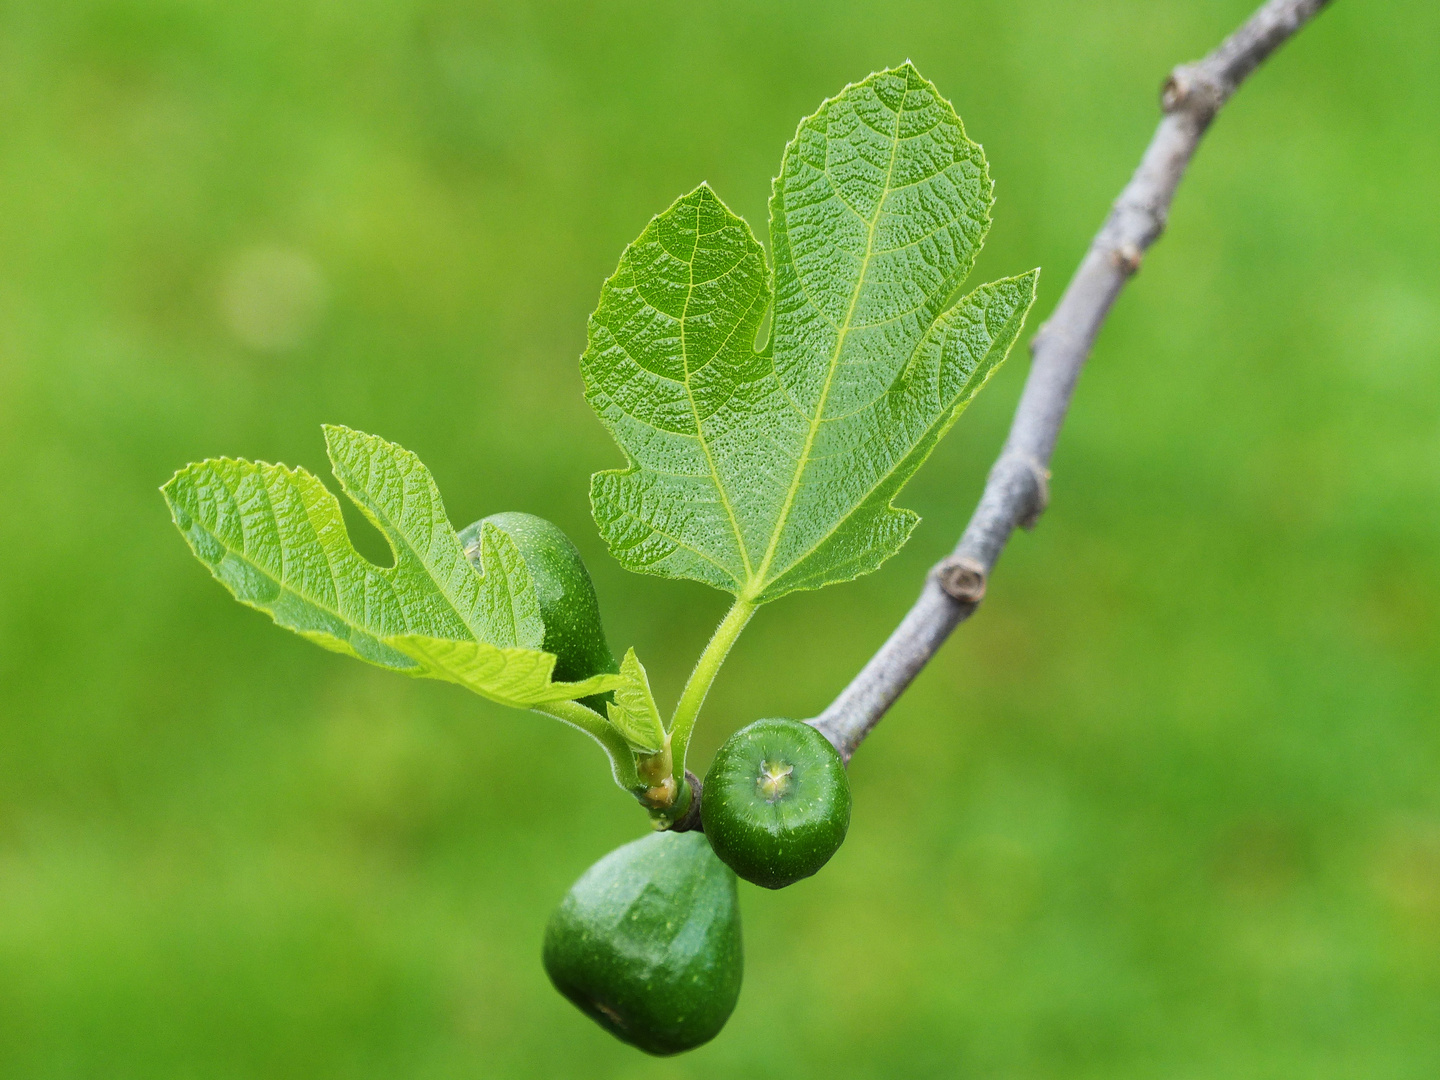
point(648, 944)
point(776, 802)
point(568, 604)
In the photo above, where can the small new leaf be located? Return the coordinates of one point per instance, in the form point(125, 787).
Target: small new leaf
point(764, 471)
point(633, 711)
point(274, 537)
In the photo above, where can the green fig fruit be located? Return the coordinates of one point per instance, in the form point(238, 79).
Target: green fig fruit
point(568, 604)
point(776, 802)
point(647, 943)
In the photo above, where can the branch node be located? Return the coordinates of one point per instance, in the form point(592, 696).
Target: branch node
point(1039, 477)
point(1189, 89)
point(961, 578)
point(1128, 258)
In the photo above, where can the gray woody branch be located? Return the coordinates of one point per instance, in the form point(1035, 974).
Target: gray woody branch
point(1018, 487)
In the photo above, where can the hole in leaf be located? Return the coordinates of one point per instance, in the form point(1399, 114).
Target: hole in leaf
point(368, 540)
point(762, 333)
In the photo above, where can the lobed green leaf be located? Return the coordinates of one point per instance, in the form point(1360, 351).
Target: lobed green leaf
point(274, 536)
point(762, 471)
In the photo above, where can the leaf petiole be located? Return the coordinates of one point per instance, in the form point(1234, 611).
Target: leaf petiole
point(622, 758)
point(706, 668)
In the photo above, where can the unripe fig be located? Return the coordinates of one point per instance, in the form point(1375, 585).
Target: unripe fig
point(776, 802)
point(647, 943)
point(568, 605)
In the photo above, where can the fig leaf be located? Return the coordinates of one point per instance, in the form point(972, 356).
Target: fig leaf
point(274, 537)
point(763, 471)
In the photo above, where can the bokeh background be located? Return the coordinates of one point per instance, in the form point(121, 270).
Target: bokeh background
point(1169, 806)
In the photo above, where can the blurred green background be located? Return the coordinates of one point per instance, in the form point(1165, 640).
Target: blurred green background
point(1169, 806)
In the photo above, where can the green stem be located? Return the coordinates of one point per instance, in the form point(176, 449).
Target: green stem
point(706, 668)
point(622, 758)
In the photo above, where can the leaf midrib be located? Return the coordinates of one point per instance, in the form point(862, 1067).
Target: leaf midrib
point(756, 585)
point(695, 409)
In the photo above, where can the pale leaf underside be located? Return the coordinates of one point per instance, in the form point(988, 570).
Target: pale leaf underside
point(274, 537)
point(765, 471)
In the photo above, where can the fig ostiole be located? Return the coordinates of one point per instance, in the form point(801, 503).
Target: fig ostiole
point(648, 945)
point(777, 802)
point(568, 604)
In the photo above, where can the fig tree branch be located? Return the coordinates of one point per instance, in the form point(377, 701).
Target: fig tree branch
point(1018, 487)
